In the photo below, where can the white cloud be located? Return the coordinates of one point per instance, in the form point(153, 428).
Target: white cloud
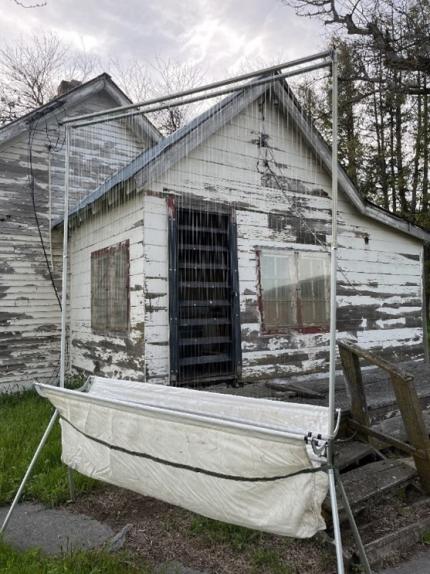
point(81, 42)
point(220, 35)
point(214, 41)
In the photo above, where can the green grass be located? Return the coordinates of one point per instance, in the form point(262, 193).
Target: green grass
point(238, 537)
point(267, 559)
point(23, 419)
point(89, 562)
point(256, 545)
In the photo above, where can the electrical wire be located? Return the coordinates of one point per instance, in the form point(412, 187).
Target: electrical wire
point(32, 130)
point(31, 134)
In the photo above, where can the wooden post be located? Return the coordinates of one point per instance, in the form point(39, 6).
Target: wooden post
point(412, 416)
point(424, 306)
point(407, 400)
point(354, 384)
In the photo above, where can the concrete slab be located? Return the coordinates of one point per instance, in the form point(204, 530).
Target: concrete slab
point(53, 530)
point(420, 564)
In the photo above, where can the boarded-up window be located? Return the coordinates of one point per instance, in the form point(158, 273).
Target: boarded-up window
point(295, 290)
point(110, 288)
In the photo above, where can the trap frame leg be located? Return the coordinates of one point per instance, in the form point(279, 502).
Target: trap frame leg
point(29, 470)
point(336, 521)
point(360, 546)
point(71, 483)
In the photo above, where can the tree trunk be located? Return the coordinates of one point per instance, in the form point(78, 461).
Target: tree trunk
point(380, 140)
point(425, 204)
point(392, 161)
point(417, 155)
point(401, 178)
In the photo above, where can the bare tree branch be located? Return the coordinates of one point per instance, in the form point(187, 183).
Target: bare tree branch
point(37, 5)
point(169, 77)
point(31, 70)
point(369, 20)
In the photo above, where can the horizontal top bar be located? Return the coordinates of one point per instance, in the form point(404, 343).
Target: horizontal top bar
point(206, 87)
point(191, 417)
point(224, 91)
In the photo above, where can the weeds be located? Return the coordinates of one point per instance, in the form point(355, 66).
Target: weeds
point(23, 419)
point(214, 531)
point(88, 562)
point(268, 560)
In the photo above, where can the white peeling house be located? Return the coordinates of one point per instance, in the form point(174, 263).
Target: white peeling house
point(214, 256)
point(32, 158)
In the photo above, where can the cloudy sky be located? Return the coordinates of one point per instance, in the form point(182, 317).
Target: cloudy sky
point(218, 35)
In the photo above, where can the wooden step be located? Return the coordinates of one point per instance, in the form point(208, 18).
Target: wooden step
point(383, 540)
point(373, 479)
point(399, 541)
point(363, 483)
point(394, 426)
point(293, 389)
point(352, 453)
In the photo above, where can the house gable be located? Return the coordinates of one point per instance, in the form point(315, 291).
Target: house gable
point(261, 166)
point(73, 103)
point(155, 161)
point(32, 158)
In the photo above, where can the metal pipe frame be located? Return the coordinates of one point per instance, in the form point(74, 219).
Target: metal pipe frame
point(356, 534)
point(192, 417)
point(65, 259)
point(206, 87)
point(201, 418)
point(333, 267)
point(336, 520)
point(262, 81)
point(29, 470)
point(333, 281)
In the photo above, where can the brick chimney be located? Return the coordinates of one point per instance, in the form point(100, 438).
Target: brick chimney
point(67, 85)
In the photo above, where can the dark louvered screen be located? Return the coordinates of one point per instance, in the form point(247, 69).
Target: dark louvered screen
point(204, 328)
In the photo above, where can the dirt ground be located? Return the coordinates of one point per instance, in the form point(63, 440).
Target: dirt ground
point(160, 532)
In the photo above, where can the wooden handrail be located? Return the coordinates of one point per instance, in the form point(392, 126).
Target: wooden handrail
point(374, 359)
point(407, 400)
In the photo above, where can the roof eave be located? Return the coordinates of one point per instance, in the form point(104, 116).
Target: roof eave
point(78, 94)
point(314, 138)
point(15, 128)
point(320, 147)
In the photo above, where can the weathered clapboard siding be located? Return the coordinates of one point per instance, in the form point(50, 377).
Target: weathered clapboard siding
point(29, 310)
point(379, 295)
point(114, 355)
point(141, 354)
point(156, 289)
point(379, 278)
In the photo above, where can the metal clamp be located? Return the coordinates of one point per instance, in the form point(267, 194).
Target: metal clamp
point(319, 448)
point(337, 426)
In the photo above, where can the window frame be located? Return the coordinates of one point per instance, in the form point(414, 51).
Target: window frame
point(107, 330)
point(298, 325)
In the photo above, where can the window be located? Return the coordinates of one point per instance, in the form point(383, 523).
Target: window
point(295, 291)
point(304, 234)
point(110, 288)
